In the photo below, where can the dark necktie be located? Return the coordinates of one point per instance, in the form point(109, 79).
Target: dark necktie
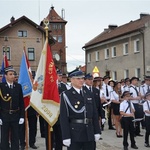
point(10, 86)
point(90, 89)
point(129, 105)
point(136, 91)
point(148, 89)
point(81, 93)
point(107, 91)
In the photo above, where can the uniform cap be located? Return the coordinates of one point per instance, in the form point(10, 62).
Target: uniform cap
point(106, 77)
point(134, 78)
point(9, 68)
point(126, 79)
point(88, 76)
point(97, 79)
point(147, 77)
point(59, 72)
point(147, 94)
point(122, 80)
point(77, 74)
point(125, 93)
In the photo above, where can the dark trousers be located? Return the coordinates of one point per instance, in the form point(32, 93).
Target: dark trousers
point(128, 128)
point(32, 121)
point(42, 128)
point(147, 133)
point(10, 129)
point(137, 128)
point(109, 116)
point(56, 136)
point(22, 134)
point(81, 146)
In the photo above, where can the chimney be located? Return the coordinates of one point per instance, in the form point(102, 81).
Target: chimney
point(143, 15)
point(12, 19)
point(112, 26)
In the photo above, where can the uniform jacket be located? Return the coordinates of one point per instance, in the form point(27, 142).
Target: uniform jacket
point(61, 87)
point(11, 99)
point(96, 94)
point(74, 109)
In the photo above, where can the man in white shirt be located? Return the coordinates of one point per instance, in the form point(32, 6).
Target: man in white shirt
point(107, 90)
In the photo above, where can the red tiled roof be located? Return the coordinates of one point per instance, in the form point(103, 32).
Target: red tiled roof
point(54, 17)
point(108, 34)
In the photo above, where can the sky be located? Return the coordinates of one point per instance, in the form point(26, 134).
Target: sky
point(85, 18)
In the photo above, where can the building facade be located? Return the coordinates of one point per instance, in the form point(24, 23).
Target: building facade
point(23, 33)
point(122, 51)
point(57, 30)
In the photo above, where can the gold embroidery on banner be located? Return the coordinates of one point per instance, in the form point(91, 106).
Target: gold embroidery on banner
point(50, 70)
point(44, 116)
point(48, 112)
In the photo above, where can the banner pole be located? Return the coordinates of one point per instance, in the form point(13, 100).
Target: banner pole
point(26, 130)
point(49, 144)
point(49, 138)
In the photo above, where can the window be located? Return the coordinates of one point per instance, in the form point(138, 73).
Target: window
point(54, 26)
point(6, 51)
point(126, 73)
point(97, 55)
point(138, 72)
point(114, 75)
point(31, 54)
point(125, 48)
point(106, 53)
point(22, 33)
point(89, 58)
point(57, 26)
point(59, 38)
point(136, 45)
point(113, 49)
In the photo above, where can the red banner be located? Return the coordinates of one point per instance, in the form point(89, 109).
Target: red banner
point(50, 91)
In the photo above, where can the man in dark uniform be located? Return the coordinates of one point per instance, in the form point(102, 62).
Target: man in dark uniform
point(11, 110)
point(78, 116)
point(32, 122)
point(88, 82)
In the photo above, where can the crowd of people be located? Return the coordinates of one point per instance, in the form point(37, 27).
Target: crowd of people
point(125, 104)
point(85, 106)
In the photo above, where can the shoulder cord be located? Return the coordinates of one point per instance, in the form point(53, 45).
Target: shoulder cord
point(4, 99)
point(68, 102)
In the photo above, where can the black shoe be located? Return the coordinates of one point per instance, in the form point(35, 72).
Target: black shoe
point(34, 147)
point(125, 148)
point(134, 147)
point(146, 145)
point(139, 135)
point(112, 128)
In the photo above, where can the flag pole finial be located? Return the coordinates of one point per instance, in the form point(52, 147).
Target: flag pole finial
point(46, 22)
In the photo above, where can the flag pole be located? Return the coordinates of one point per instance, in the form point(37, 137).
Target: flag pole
point(26, 114)
point(49, 144)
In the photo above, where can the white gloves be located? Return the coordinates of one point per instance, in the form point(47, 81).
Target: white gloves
point(103, 121)
point(1, 122)
point(21, 121)
point(97, 137)
point(67, 142)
